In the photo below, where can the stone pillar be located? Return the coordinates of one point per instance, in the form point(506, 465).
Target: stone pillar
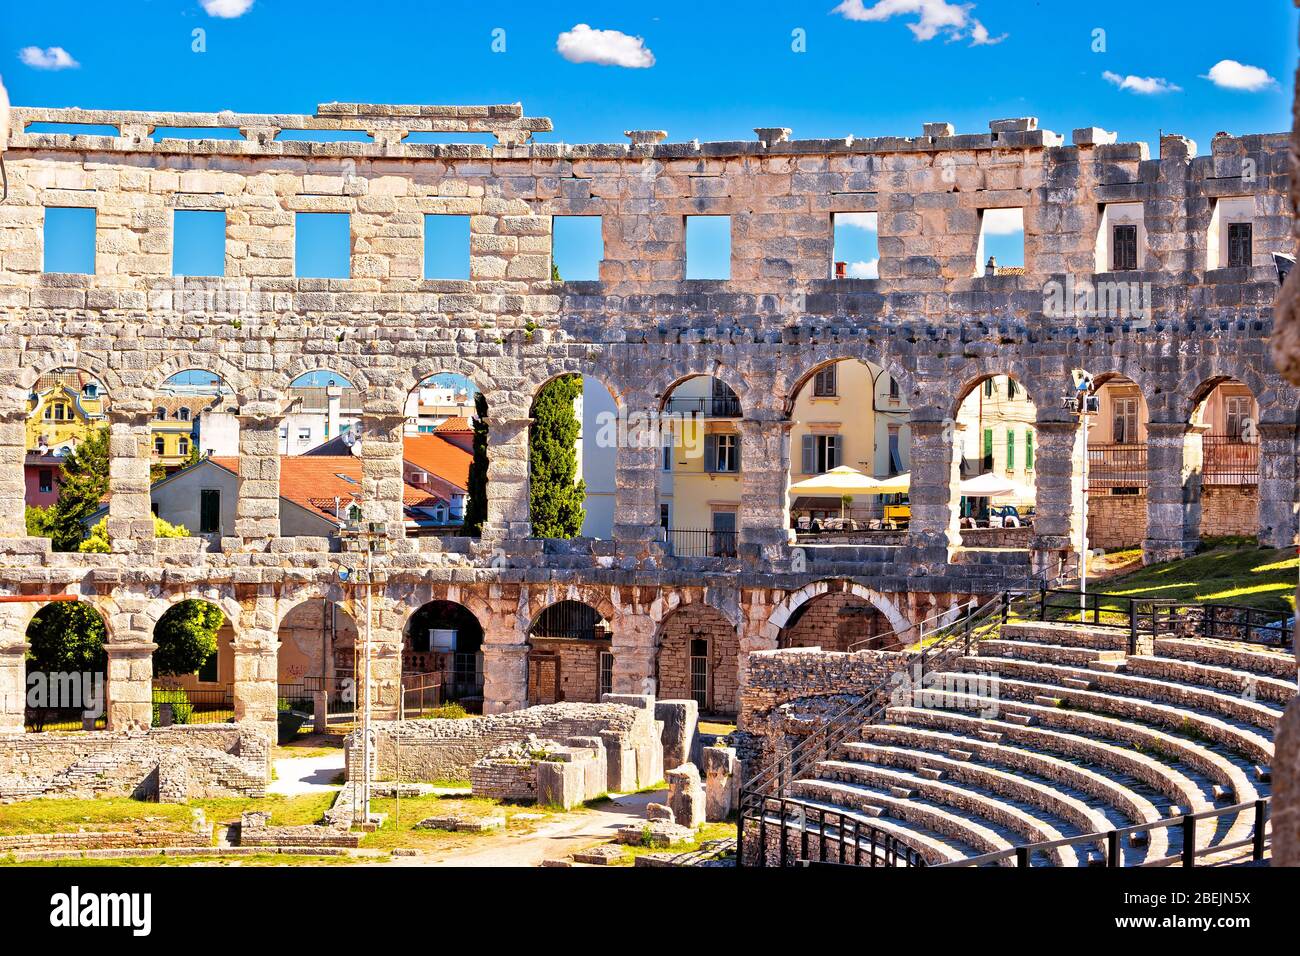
point(505, 659)
point(764, 518)
point(257, 510)
point(507, 484)
point(1277, 484)
point(255, 690)
point(638, 462)
point(130, 446)
point(381, 469)
point(1059, 496)
point(935, 492)
point(13, 482)
point(130, 682)
point(633, 645)
point(13, 668)
point(1173, 491)
point(386, 641)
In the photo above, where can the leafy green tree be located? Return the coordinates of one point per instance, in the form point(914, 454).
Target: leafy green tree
point(186, 637)
point(84, 478)
point(39, 521)
point(98, 541)
point(556, 492)
point(66, 636)
point(476, 493)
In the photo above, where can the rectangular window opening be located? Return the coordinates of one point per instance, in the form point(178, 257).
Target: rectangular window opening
point(69, 240)
point(855, 253)
point(446, 247)
point(708, 247)
point(576, 248)
point(322, 245)
point(198, 243)
point(1001, 248)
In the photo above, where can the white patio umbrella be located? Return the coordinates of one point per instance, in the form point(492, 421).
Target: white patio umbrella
point(989, 485)
point(837, 482)
point(897, 485)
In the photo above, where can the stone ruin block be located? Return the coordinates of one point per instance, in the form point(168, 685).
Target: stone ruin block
point(658, 811)
point(561, 783)
point(686, 795)
point(595, 767)
point(620, 763)
point(680, 718)
point(644, 738)
point(653, 833)
point(721, 782)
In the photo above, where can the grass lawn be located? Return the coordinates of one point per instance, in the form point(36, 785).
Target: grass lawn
point(108, 814)
point(414, 809)
point(301, 810)
point(254, 859)
point(1226, 573)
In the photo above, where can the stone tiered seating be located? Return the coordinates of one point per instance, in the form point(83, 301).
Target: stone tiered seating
point(1069, 735)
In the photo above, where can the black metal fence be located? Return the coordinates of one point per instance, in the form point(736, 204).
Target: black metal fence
point(702, 543)
point(1226, 460)
point(721, 406)
point(1115, 466)
point(38, 720)
point(193, 705)
point(810, 833)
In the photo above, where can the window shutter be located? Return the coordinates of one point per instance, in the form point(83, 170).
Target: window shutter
point(1011, 450)
point(735, 454)
point(1029, 451)
point(710, 452)
point(809, 455)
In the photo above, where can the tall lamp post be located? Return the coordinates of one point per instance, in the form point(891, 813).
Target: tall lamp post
point(1082, 402)
point(372, 537)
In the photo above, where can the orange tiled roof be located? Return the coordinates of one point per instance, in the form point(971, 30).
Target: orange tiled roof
point(437, 456)
point(457, 423)
point(314, 481)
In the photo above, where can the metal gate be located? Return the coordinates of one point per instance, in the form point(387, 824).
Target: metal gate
point(700, 673)
point(606, 684)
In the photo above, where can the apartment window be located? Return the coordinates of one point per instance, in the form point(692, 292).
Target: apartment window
point(1236, 413)
point(1124, 415)
point(576, 248)
point(708, 247)
point(284, 433)
point(988, 450)
point(1029, 451)
point(322, 245)
point(182, 446)
point(1011, 450)
point(183, 414)
point(45, 480)
point(895, 452)
point(159, 446)
point(894, 393)
point(1124, 247)
point(668, 452)
point(56, 412)
point(208, 672)
point(446, 247)
point(209, 510)
point(69, 240)
point(304, 434)
point(1012, 389)
point(722, 453)
point(824, 383)
point(1239, 244)
point(724, 534)
point(198, 243)
point(988, 388)
point(663, 516)
point(821, 453)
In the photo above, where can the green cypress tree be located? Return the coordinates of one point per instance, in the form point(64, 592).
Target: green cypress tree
point(84, 484)
point(476, 492)
point(555, 492)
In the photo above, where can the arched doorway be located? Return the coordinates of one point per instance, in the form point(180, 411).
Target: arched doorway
point(697, 658)
point(66, 666)
point(318, 648)
point(839, 620)
point(570, 654)
point(1117, 465)
point(443, 639)
point(1224, 438)
point(995, 454)
point(193, 665)
point(444, 456)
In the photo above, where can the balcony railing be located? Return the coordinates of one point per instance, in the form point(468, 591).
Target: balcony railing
point(1227, 460)
point(702, 543)
point(716, 407)
point(1116, 466)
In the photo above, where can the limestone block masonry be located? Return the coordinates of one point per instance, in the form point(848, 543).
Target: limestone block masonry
point(929, 320)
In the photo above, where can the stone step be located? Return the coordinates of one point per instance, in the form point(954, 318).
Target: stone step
point(1066, 634)
point(962, 755)
point(1243, 657)
point(1249, 684)
point(1043, 700)
point(1108, 667)
point(1024, 720)
point(992, 736)
point(930, 773)
point(1077, 683)
point(903, 793)
point(1049, 653)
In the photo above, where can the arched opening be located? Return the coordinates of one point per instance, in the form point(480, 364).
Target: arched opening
point(995, 453)
point(320, 464)
point(570, 654)
point(839, 620)
point(193, 665)
point(1117, 466)
point(597, 453)
point(194, 434)
point(318, 648)
point(700, 468)
point(850, 431)
point(697, 658)
point(66, 669)
point(1223, 441)
point(65, 468)
point(444, 457)
point(442, 646)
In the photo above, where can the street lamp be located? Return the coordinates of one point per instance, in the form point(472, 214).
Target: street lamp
point(1082, 402)
point(371, 537)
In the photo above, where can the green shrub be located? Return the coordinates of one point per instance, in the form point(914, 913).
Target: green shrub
point(449, 712)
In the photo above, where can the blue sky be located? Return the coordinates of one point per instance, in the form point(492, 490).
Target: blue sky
point(696, 70)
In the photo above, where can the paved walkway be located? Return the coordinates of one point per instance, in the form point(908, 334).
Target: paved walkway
point(298, 775)
point(548, 841)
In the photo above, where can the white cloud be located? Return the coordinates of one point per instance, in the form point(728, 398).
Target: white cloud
point(51, 58)
point(1232, 75)
point(226, 9)
point(863, 270)
point(1003, 222)
point(933, 17)
point(857, 220)
point(582, 44)
point(1142, 85)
